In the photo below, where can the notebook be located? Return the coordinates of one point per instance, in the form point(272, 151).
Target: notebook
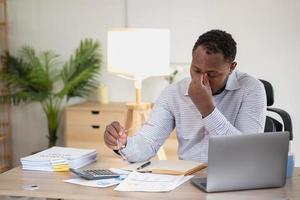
point(248, 161)
point(171, 167)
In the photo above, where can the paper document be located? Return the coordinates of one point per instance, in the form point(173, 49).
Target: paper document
point(95, 183)
point(147, 182)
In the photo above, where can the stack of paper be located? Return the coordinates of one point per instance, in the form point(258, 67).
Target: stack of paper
point(59, 159)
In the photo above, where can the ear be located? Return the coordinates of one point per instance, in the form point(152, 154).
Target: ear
point(232, 66)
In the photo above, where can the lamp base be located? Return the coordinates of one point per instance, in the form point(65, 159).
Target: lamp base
point(137, 114)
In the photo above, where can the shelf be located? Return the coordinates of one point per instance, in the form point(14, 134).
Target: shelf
point(5, 120)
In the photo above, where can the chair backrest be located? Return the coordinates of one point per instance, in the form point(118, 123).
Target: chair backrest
point(269, 92)
point(272, 124)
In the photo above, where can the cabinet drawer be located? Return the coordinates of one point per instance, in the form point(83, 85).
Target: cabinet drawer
point(93, 117)
point(84, 133)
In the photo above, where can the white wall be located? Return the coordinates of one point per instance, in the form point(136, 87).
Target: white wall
point(267, 33)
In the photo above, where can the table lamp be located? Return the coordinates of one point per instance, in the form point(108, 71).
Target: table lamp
point(137, 54)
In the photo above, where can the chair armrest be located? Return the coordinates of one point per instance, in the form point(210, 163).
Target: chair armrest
point(287, 121)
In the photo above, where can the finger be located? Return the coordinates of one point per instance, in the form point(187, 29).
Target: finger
point(109, 145)
point(198, 80)
point(117, 126)
point(110, 140)
point(202, 79)
point(123, 133)
point(208, 83)
point(113, 147)
point(112, 131)
point(123, 139)
point(195, 82)
point(205, 80)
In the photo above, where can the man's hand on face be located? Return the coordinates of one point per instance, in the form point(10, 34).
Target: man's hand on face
point(201, 94)
point(115, 136)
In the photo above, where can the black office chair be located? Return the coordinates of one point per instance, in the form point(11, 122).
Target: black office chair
point(272, 124)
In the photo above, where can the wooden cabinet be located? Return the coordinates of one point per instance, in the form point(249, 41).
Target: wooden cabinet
point(3, 26)
point(85, 124)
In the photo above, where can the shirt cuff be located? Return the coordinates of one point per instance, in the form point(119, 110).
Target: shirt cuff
point(128, 151)
point(214, 120)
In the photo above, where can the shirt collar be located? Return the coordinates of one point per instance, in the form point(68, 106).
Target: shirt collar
point(232, 83)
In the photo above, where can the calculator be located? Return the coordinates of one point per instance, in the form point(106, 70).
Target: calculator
point(93, 174)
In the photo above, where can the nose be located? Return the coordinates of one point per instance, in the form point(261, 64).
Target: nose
point(202, 73)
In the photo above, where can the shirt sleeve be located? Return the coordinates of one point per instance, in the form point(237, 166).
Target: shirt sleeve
point(147, 141)
point(250, 119)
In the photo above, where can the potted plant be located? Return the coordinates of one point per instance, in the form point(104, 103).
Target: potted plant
point(43, 78)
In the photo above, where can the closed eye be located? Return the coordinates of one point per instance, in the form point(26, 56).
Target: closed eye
point(212, 74)
point(197, 71)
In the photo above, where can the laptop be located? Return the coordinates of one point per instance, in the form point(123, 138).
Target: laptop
point(248, 161)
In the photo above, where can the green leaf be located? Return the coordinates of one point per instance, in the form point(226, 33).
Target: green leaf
point(80, 73)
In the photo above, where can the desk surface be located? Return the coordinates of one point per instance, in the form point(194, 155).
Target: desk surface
point(51, 185)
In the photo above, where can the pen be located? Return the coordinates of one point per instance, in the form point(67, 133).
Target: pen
point(144, 165)
point(120, 146)
point(119, 150)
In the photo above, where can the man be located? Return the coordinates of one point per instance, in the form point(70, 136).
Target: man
point(216, 100)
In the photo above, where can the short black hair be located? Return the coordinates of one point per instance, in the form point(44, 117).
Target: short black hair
point(217, 41)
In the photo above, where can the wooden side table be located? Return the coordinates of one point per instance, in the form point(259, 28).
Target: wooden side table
point(85, 125)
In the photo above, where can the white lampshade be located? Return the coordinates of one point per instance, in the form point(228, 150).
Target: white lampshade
point(139, 53)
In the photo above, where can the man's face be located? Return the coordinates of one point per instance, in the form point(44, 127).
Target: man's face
point(214, 65)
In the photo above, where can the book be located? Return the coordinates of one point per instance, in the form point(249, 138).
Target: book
point(59, 159)
point(171, 167)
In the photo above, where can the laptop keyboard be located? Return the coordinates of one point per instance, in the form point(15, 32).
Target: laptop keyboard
point(200, 182)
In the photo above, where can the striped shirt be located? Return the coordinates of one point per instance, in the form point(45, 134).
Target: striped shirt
point(240, 108)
